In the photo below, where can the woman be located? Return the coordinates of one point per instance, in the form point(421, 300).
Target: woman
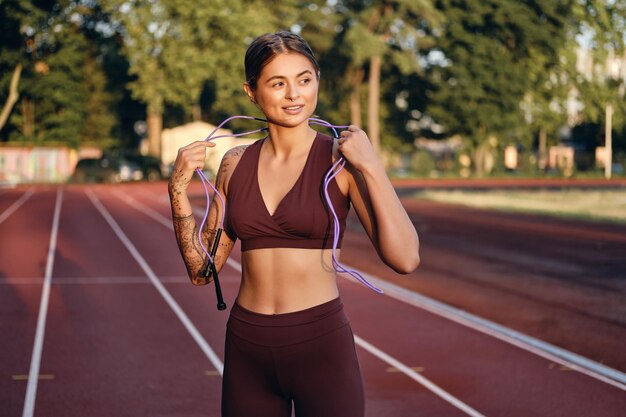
point(288, 339)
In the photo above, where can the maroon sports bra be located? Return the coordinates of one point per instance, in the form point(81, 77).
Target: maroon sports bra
point(302, 218)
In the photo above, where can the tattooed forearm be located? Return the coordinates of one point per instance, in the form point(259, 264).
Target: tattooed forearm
point(186, 230)
point(183, 219)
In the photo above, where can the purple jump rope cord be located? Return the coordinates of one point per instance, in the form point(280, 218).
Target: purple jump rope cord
point(330, 175)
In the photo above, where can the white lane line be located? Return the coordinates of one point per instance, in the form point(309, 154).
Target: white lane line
point(153, 214)
point(35, 360)
point(359, 341)
point(16, 205)
point(536, 346)
point(165, 221)
point(193, 331)
point(410, 373)
point(417, 377)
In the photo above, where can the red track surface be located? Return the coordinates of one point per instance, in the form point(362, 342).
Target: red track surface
point(114, 347)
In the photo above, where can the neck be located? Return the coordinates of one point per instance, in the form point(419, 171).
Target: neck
point(287, 140)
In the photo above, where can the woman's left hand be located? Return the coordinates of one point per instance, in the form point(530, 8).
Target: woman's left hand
point(356, 147)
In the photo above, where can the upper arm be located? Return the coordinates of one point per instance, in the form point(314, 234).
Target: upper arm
point(351, 181)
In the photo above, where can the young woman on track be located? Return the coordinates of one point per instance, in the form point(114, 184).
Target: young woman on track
point(288, 339)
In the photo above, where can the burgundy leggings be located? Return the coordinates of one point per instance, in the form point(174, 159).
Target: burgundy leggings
point(306, 357)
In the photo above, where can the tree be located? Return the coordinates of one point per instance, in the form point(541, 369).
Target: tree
point(488, 48)
point(384, 30)
point(47, 41)
point(176, 47)
point(602, 24)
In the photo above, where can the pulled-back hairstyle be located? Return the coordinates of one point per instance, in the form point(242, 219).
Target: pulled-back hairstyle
point(265, 48)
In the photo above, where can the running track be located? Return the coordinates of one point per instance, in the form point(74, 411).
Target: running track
point(98, 319)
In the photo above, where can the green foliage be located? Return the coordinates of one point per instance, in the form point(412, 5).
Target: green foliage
point(603, 24)
point(56, 90)
point(490, 48)
point(177, 47)
point(478, 68)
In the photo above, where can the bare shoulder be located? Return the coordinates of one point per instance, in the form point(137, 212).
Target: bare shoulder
point(229, 163)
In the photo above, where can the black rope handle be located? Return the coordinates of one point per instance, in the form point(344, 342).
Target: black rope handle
point(210, 270)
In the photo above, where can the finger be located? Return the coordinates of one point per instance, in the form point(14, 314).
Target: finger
point(353, 128)
point(202, 144)
point(199, 144)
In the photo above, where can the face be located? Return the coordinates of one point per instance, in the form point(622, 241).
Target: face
point(286, 90)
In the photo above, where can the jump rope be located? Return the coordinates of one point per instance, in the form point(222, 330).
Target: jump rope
point(209, 268)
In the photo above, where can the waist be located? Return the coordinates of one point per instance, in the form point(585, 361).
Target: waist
point(288, 266)
point(287, 328)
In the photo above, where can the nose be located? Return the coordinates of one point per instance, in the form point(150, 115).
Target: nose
point(292, 93)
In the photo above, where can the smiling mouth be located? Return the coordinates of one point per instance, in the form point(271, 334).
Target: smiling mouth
point(294, 107)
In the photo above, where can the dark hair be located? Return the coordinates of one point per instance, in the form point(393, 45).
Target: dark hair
point(265, 48)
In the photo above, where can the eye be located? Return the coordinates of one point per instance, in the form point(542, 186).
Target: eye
point(305, 80)
point(278, 84)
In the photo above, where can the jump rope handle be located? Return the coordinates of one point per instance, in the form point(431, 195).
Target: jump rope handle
point(210, 270)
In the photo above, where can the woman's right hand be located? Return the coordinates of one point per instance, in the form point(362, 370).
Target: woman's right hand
point(189, 158)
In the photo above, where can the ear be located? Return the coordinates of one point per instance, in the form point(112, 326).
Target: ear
point(249, 91)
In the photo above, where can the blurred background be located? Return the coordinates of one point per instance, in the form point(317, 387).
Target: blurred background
point(445, 88)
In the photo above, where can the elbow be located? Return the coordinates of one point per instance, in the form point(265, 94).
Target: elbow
point(198, 280)
point(409, 260)
point(408, 264)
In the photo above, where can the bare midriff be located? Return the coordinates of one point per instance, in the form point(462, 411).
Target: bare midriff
point(284, 280)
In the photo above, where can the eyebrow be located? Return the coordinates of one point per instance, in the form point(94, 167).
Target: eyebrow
point(282, 77)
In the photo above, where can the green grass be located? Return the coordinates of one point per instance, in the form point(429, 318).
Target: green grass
point(601, 205)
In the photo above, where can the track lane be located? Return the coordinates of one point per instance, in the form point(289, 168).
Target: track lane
point(24, 241)
point(490, 375)
point(610, 404)
point(467, 267)
point(8, 207)
point(118, 344)
point(390, 397)
point(378, 404)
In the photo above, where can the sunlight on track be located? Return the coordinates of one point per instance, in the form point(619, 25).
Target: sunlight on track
point(538, 347)
point(417, 377)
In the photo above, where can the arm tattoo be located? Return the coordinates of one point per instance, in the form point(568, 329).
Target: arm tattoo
point(187, 237)
point(188, 218)
point(186, 228)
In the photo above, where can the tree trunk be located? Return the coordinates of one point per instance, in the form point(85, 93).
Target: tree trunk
point(155, 125)
point(355, 98)
point(542, 149)
point(28, 116)
point(374, 102)
point(13, 96)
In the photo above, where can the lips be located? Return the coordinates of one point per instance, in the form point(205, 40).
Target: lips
point(294, 109)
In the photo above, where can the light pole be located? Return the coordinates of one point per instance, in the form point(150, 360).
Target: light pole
point(616, 70)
